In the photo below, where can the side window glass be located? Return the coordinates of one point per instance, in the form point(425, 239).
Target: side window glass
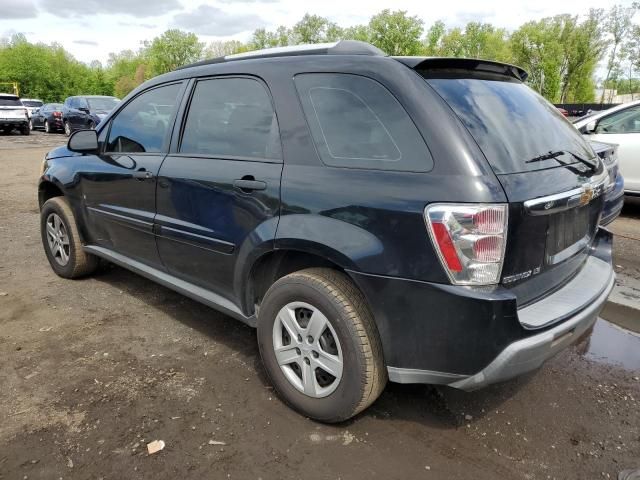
point(626, 121)
point(142, 125)
point(231, 117)
point(357, 123)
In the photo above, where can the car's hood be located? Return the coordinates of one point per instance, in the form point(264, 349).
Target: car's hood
point(60, 152)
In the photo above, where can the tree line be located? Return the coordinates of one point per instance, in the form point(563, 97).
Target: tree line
point(561, 53)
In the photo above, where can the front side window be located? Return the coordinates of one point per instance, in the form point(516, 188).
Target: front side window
point(140, 126)
point(231, 117)
point(626, 121)
point(357, 123)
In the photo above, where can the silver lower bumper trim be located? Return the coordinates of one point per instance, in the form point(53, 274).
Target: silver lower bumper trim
point(519, 357)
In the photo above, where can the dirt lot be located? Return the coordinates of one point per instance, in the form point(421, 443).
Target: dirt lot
point(94, 369)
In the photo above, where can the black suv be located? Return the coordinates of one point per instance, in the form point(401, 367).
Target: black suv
point(86, 111)
point(420, 220)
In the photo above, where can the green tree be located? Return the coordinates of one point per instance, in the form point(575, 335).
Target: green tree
point(618, 26)
point(221, 49)
point(173, 49)
point(315, 29)
point(396, 33)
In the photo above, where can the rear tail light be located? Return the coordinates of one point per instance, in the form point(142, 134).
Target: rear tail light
point(470, 240)
point(57, 114)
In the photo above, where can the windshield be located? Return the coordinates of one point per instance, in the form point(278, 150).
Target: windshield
point(102, 103)
point(511, 123)
point(10, 102)
point(55, 106)
point(31, 103)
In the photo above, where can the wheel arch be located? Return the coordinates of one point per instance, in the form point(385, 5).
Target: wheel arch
point(277, 263)
point(49, 188)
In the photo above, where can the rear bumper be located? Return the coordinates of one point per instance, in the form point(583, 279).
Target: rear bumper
point(468, 337)
point(13, 122)
point(614, 201)
point(530, 353)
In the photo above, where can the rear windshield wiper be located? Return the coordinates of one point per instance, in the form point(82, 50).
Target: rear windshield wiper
point(554, 156)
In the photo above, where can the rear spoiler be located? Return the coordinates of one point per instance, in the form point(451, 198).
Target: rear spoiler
point(474, 64)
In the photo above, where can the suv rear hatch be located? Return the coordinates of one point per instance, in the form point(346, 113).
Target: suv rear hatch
point(11, 108)
point(550, 174)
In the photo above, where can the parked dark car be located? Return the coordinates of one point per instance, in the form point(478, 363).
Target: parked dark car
point(13, 115)
point(412, 219)
point(86, 111)
point(614, 196)
point(48, 118)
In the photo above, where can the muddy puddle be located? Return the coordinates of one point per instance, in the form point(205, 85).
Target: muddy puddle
point(613, 344)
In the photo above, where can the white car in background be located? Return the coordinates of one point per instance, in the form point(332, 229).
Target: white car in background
point(619, 125)
point(31, 104)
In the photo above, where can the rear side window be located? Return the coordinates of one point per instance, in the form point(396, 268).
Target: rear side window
point(357, 123)
point(231, 117)
point(141, 126)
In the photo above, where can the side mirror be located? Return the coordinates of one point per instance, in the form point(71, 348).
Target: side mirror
point(84, 109)
point(83, 141)
point(591, 126)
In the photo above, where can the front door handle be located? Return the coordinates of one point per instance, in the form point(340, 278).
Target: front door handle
point(142, 174)
point(249, 184)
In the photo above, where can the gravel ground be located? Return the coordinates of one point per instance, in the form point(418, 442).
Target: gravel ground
point(92, 370)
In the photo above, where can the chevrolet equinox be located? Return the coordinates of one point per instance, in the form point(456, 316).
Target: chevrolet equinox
point(412, 219)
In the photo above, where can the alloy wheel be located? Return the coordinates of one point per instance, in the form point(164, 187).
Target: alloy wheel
point(46, 126)
point(67, 129)
point(307, 349)
point(58, 239)
point(30, 125)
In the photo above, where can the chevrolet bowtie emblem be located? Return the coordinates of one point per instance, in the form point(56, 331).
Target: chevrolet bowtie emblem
point(587, 194)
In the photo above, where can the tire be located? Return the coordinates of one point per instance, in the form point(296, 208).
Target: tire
point(67, 128)
point(25, 130)
point(91, 126)
point(47, 129)
point(78, 263)
point(362, 373)
point(31, 125)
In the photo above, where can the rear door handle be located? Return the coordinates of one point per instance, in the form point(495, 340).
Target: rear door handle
point(248, 185)
point(142, 174)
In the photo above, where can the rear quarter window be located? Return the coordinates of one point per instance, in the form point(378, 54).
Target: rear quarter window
point(355, 122)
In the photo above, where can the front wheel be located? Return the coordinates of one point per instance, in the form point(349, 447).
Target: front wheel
point(320, 345)
point(61, 240)
point(67, 128)
point(47, 129)
point(31, 125)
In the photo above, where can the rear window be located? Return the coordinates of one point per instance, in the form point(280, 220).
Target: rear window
point(31, 103)
point(355, 122)
point(10, 102)
point(510, 122)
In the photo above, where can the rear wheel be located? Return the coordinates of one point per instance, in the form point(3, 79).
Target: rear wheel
point(320, 345)
point(61, 240)
point(26, 130)
point(67, 128)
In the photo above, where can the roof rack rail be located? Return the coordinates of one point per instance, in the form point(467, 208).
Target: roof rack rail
point(342, 47)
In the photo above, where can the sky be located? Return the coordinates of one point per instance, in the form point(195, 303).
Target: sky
point(91, 29)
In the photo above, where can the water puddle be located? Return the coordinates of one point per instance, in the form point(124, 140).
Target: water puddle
point(613, 345)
